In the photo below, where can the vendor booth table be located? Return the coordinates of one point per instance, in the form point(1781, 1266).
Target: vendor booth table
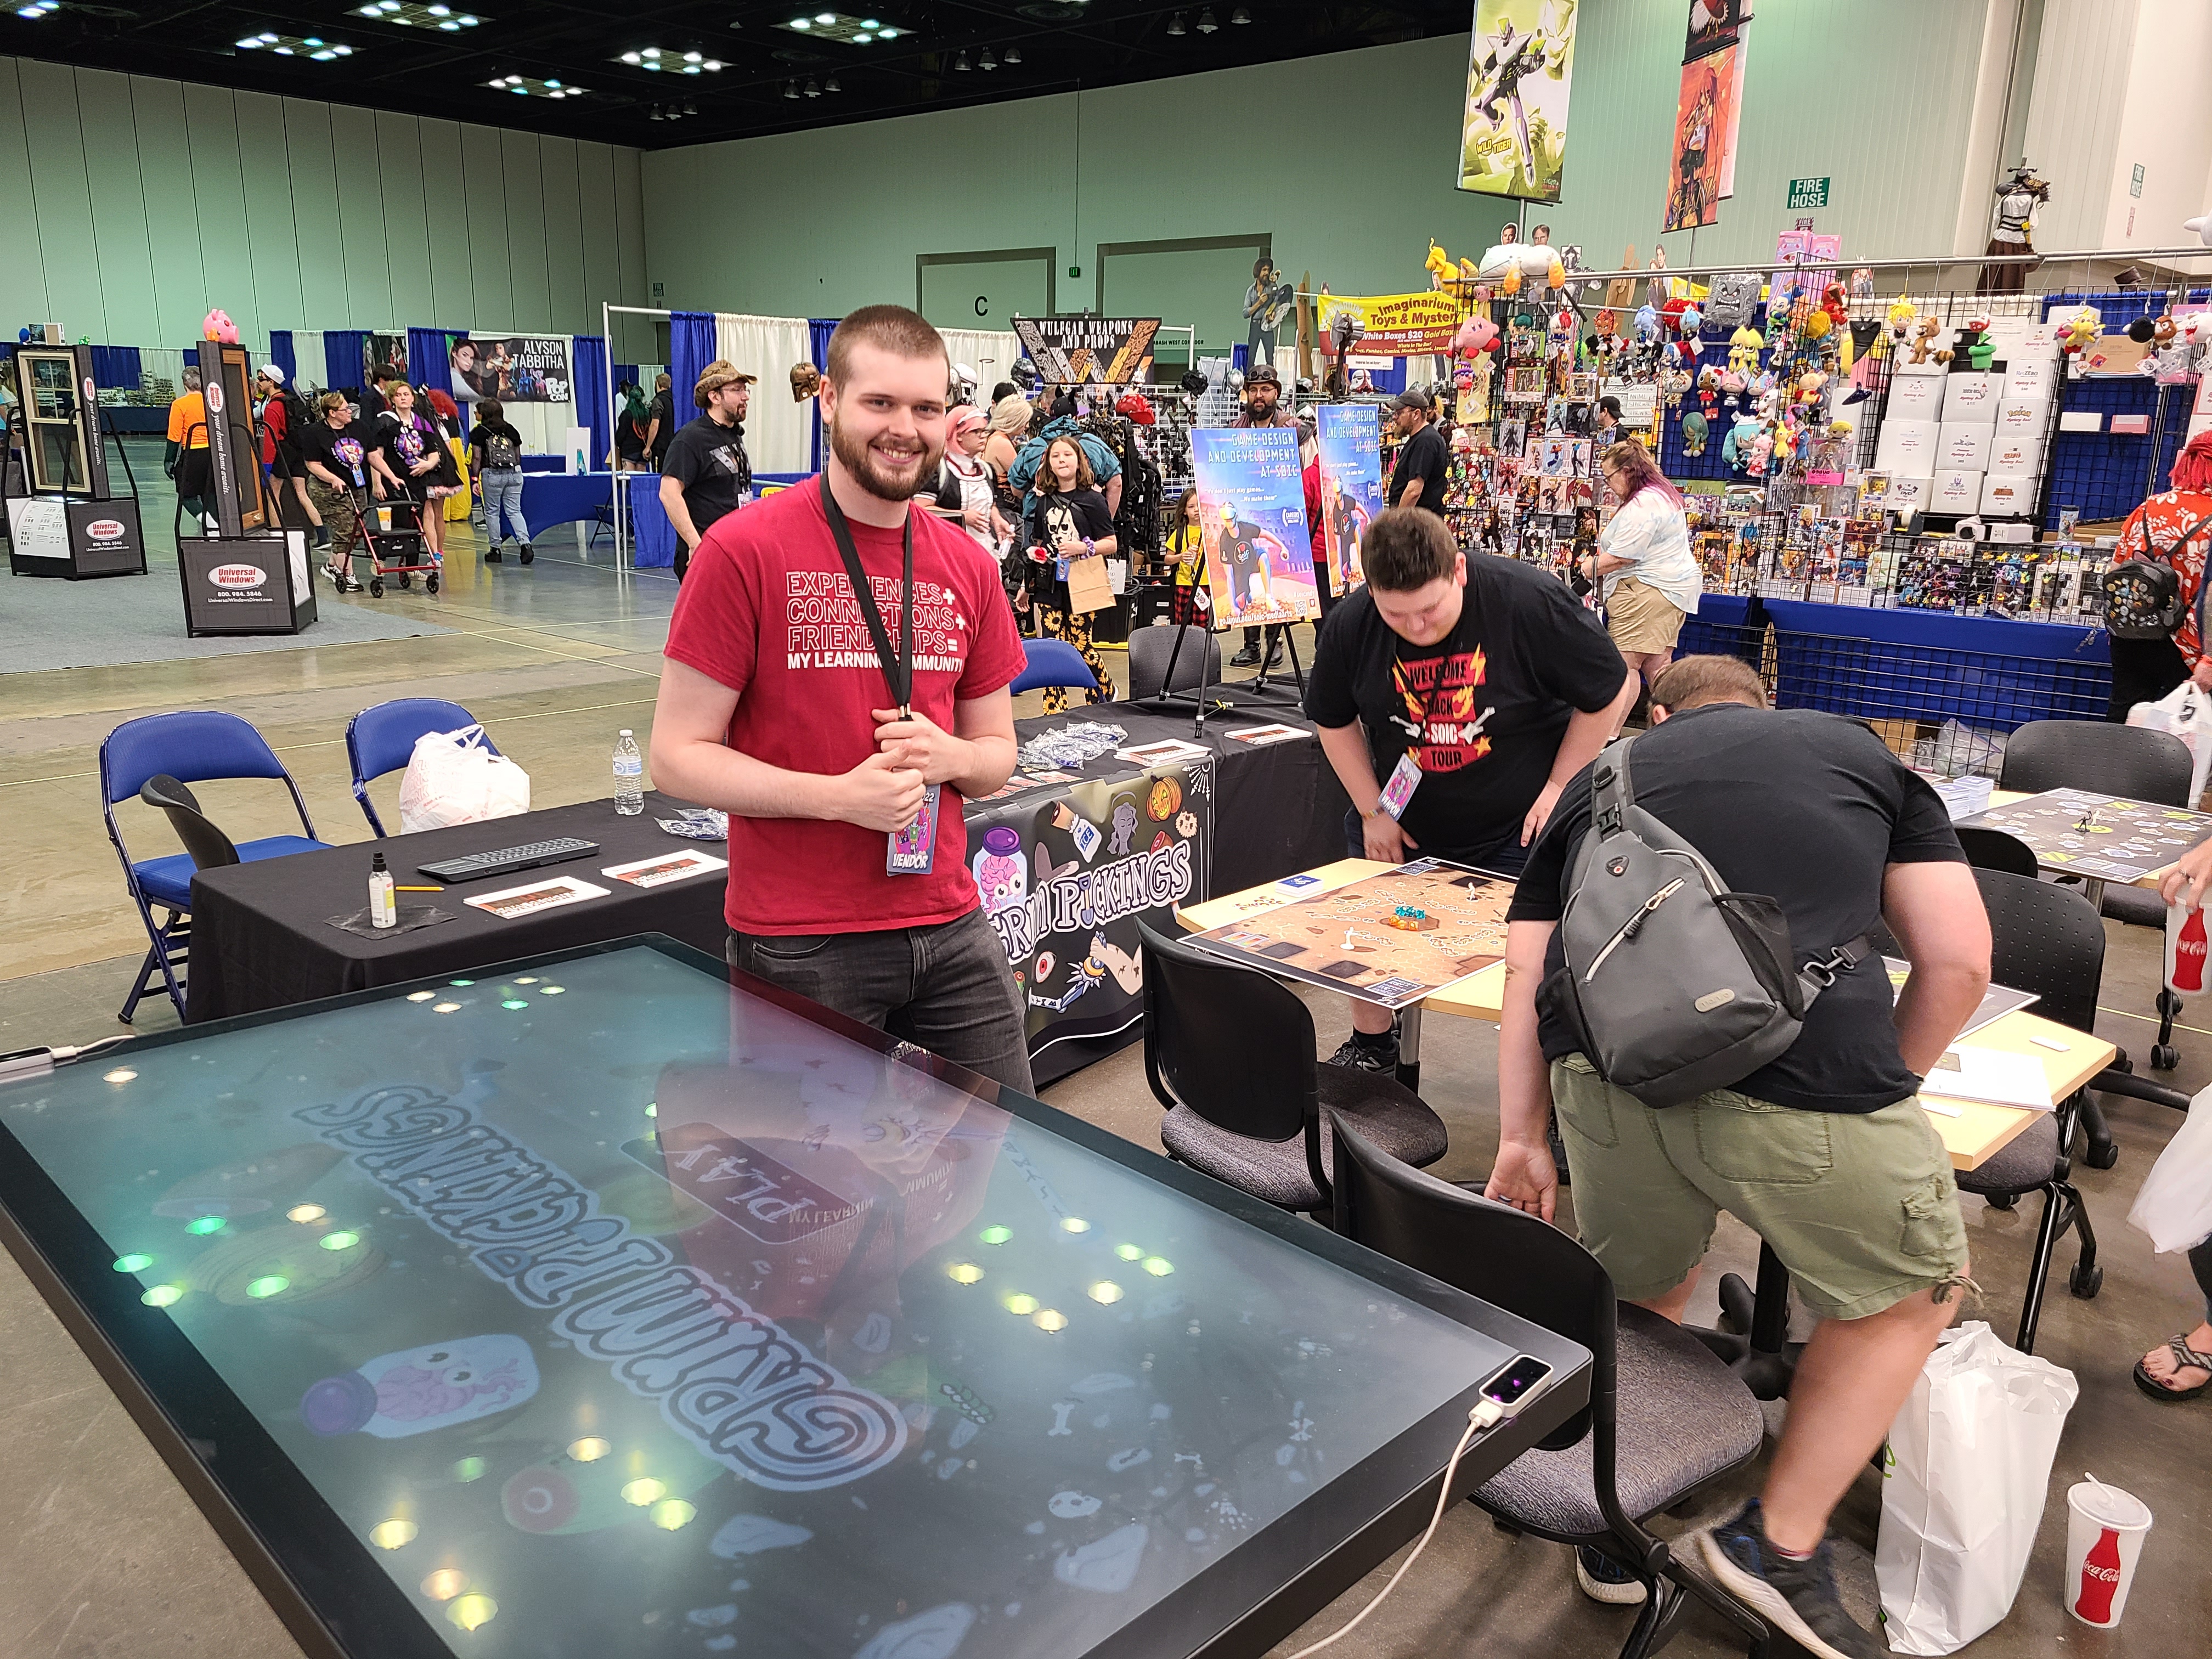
point(551, 498)
point(517, 1315)
point(263, 937)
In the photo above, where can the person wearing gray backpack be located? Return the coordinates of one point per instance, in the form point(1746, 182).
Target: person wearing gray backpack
point(1689, 982)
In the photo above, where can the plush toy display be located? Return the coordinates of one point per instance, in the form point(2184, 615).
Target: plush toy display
point(2082, 330)
point(218, 327)
point(1744, 346)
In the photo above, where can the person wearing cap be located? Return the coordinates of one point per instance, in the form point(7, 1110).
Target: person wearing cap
point(705, 473)
point(281, 425)
point(1418, 480)
point(1263, 395)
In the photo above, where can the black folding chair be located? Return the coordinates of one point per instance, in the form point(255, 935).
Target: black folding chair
point(1665, 1416)
point(1229, 1053)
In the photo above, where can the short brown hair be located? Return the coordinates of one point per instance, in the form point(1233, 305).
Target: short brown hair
point(1083, 478)
point(1693, 681)
point(491, 410)
point(1406, 547)
point(329, 401)
point(894, 328)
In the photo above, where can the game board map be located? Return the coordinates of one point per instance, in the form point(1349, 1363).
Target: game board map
point(2099, 836)
point(1392, 938)
point(1996, 1002)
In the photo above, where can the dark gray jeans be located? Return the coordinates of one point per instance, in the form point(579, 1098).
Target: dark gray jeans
point(948, 989)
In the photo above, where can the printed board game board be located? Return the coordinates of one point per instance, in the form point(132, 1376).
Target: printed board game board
point(1393, 939)
point(2099, 836)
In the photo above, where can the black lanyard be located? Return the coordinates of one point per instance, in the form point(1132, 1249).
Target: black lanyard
point(898, 668)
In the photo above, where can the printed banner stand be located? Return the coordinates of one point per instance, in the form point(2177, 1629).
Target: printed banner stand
point(1351, 437)
point(245, 584)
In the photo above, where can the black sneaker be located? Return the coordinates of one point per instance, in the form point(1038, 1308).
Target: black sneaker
point(1367, 1056)
point(1248, 658)
point(1275, 658)
point(493, 555)
point(1604, 1579)
point(528, 553)
point(1797, 1597)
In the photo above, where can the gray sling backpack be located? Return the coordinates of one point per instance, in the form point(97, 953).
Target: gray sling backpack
point(1673, 985)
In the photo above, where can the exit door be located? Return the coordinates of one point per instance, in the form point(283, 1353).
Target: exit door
point(985, 290)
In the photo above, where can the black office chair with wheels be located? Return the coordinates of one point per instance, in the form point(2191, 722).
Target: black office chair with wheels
point(1665, 1416)
point(2129, 760)
point(1993, 849)
point(1229, 1053)
point(1197, 660)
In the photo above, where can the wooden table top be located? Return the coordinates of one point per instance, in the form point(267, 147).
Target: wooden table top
point(1973, 1138)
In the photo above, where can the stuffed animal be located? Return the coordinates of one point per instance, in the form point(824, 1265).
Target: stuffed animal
point(1509, 284)
point(1736, 448)
point(1834, 301)
point(1474, 336)
point(1923, 339)
point(1694, 432)
point(1647, 325)
point(219, 327)
point(1762, 449)
point(1439, 266)
point(1555, 275)
point(2082, 330)
point(1744, 346)
point(1902, 315)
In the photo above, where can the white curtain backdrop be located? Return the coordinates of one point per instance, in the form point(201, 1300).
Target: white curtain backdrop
point(308, 353)
point(991, 356)
point(779, 434)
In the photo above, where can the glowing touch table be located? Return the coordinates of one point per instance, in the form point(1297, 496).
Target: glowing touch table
point(614, 1303)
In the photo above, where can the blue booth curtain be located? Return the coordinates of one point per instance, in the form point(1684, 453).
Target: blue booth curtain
point(818, 331)
point(342, 350)
point(115, 366)
point(691, 348)
point(590, 370)
point(625, 373)
point(429, 363)
point(281, 355)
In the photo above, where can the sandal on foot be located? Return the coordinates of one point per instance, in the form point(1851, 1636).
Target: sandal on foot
point(2183, 1355)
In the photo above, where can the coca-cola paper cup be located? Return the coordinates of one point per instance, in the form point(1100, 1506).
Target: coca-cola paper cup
point(2105, 1529)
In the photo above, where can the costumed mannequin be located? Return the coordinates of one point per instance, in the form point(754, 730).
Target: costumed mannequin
point(2012, 230)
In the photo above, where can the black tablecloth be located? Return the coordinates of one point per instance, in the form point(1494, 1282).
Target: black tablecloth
point(261, 936)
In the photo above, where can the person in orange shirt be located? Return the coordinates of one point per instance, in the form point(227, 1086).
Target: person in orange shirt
point(2143, 670)
point(185, 457)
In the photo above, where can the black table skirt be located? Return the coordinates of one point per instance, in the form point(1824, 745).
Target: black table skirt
point(261, 938)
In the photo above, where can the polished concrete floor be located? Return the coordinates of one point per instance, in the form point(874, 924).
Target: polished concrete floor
point(102, 1554)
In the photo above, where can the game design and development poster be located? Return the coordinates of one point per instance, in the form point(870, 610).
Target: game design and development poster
point(1259, 547)
point(1350, 486)
point(1520, 68)
point(1065, 876)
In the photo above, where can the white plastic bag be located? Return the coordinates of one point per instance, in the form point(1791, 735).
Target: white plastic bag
point(2174, 1206)
point(2186, 713)
point(1964, 1482)
point(453, 778)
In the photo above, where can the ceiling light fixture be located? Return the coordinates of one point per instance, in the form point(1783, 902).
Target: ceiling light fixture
point(38, 9)
point(830, 85)
point(841, 26)
point(295, 45)
point(410, 15)
point(526, 87)
point(960, 63)
point(1013, 55)
point(657, 58)
point(986, 61)
point(1206, 23)
point(813, 89)
point(791, 89)
point(1175, 24)
point(1240, 15)
point(690, 109)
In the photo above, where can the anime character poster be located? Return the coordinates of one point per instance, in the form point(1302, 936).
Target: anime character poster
point(383, 357)
point(1259, 547)
point(1350, 486)
point(1520, 68)
point(1705, 119)
point(514, 369)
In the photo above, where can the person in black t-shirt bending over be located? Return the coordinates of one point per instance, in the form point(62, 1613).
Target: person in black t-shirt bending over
point(1418, 478)
point(1825, 1152)
point(1481, 673)
point(706, 474)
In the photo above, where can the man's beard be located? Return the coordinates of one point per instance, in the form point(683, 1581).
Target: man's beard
point(1263, 408)
point(870, 474)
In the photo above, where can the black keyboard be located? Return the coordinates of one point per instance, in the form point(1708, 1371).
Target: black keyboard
point(508, 860)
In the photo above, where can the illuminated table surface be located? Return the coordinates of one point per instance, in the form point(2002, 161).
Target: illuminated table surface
point(615, 1304)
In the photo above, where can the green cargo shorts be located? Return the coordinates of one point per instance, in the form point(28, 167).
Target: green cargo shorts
point(1861, 1207)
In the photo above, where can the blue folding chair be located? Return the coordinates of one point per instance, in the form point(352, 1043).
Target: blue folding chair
point(1054, 662)
point(381, 740)
point(191, 746)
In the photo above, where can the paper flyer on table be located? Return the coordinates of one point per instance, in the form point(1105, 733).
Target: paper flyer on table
point(1993, 1076)
point(547, 894)
point(1259, 736)
point(663, 868)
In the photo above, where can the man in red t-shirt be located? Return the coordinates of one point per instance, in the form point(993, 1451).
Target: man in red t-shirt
point(776, 705)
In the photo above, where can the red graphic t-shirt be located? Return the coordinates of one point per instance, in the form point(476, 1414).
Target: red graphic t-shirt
point(768, 610)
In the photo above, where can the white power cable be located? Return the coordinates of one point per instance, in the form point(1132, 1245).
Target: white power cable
point(1483, 1416)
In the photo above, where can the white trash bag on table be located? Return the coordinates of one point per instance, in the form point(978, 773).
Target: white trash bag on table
point(1965, 1477)
point(453, 777)
point(2186, 712)
point(2174, 1205)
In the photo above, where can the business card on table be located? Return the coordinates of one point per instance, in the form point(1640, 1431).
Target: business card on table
point(547, 894)
point(1258, 736)
point(1168, 751)
point(663, 868)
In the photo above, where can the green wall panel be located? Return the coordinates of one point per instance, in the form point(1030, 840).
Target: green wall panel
point(362, 229)
point(23, 274)
point(530, 306)
point(452, 289)
point(172, 228)
point(118, 212)
point(219, 200)
point(272, 238)
point(63, 204)
point(564, 239)
point(485, 174)
point(315, 219)
point(595, 195)
point(408, 251)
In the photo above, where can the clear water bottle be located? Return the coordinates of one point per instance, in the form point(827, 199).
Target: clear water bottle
point(629, 777)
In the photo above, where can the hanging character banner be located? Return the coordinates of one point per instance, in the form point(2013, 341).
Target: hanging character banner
point(1397, 324)
point(1715, 26)
point(1259, 547)
point(1088, 351)
point(383, 357)
point(1350, 486)
point(1705, 122)
point(512, 368)
point(1520, 66)
point(1065, 876)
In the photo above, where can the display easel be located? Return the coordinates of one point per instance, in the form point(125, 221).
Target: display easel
point(69, 521)
point(1167, 695)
